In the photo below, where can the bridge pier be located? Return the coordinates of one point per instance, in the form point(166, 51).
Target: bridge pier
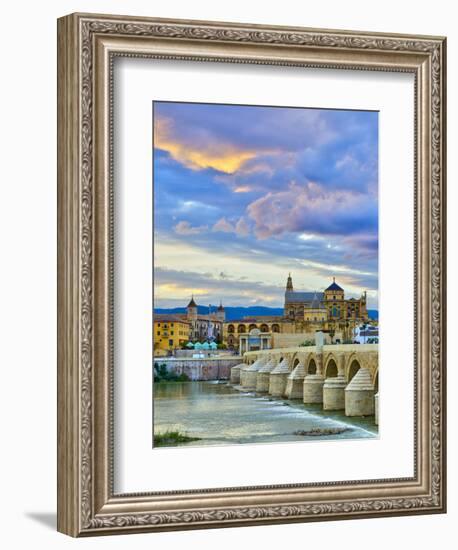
point(235, 373)
point(334, 393)
point(249, 382)
point(313, 383)
point(277, 380)
point(359, 395)
point(243, 373)
point(295, 383)
point(263, 377)
point(334, 388)
point(313, 389)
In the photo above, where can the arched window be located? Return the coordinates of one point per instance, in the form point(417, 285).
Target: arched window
point(241, 329)
point(252, 326)
point(230, 328)
point(275, 328)
point(264, 328)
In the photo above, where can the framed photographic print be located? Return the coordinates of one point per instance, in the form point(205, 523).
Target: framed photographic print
point(251, 274)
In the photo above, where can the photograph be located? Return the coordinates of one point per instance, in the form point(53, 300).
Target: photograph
point(265, 274)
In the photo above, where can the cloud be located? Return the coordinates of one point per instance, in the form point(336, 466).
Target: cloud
point(242, 228)
point(224, 226)
point(198, 154)
point(173, 287)
point(228, 137)
point(311, 208)
point(185, 228)
point(293, 185)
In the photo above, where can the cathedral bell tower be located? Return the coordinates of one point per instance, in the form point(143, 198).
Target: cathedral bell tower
point(220, 313)
point(289, 284)
point(191, 310)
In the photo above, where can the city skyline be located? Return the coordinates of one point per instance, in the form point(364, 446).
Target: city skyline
point(246, 194)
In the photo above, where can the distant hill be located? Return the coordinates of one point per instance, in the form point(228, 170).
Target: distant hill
point(233, 313)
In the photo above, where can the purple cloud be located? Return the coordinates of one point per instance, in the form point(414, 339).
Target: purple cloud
point(314, 209)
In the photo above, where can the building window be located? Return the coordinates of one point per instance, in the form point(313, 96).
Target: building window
point(171, 343)
point(171, 332)
point(158, 332)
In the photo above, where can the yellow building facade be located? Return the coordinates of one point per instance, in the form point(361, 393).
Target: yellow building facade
point(304, 313)
point(169, 333)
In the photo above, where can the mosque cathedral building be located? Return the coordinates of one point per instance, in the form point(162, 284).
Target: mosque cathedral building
point(303, 314)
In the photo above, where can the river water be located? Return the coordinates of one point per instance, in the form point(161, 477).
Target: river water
point(219, 414)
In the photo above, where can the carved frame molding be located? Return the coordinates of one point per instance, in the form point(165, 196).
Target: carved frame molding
point(87, 45)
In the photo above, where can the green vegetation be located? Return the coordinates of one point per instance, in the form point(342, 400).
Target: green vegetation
point(161, 374)
point(172, 438)
point(307, 343)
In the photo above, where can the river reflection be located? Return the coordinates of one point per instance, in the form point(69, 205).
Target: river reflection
point(218, 414)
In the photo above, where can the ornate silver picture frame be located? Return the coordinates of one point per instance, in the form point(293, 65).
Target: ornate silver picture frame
point(88, 44)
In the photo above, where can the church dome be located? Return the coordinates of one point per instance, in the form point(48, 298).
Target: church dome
point(334, 286)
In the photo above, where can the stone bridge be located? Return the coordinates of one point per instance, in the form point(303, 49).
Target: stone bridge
point(341, 377)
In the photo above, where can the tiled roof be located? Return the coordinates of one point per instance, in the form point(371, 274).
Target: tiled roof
point(293, 296)
point(192, 303)
point(168, 318)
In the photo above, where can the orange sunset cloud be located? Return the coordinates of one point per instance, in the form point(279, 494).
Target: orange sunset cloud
point(224, 157)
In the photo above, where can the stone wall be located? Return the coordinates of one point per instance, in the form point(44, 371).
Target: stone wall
point(291, 339)
point(188, 353)
point(208, 368)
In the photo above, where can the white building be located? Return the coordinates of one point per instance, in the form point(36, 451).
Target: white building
point(366, 334)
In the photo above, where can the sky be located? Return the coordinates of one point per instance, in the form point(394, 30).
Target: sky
point(244, 195)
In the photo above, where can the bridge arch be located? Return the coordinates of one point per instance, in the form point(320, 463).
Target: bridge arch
point(311, 365)
point(298, 359)
point(376, 381)
point(354, 365)
point(331, 370)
